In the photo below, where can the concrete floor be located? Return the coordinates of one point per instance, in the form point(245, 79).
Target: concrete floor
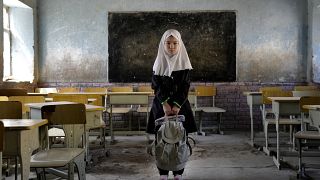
point(221, 157)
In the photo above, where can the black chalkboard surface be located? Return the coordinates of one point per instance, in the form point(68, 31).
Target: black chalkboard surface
point(209, 37)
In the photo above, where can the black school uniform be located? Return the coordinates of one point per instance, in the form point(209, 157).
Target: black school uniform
point(173, 90)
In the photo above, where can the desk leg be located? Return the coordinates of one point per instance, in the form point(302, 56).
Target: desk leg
point(27, 146)
point(200, 132)
point(111, 125)
point(0, 165)
point(147, 118)
point(291, 131)
point(105, 103)
point(276, 159)
point(219, 116)
point(265, 130)
point(87, 155)
point(300, 158)
point(301, 172)
point(251, 121)
point(25, 164)
point(302, 122)
point(130, 122)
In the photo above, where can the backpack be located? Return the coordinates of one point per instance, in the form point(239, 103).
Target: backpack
point(171, 145)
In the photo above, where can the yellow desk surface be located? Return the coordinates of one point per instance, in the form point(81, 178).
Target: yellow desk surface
point(129, 93)
point(83, 93)
point(40, 105)
point(312, 107)
point(284, 99)
point(51, 99)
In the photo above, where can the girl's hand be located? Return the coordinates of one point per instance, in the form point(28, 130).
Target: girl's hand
point(167, 109)
point(175, 110)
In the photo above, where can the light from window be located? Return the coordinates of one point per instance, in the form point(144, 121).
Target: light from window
point(18, 42)
point(6, 46)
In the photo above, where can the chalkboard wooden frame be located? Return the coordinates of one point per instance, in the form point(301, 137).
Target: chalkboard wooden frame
point(209, 37)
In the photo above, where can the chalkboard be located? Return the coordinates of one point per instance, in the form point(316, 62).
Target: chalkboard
point(209, 37)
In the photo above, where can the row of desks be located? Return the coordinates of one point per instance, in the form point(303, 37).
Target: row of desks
point(115, 98)
point(90, 100)
point(22, 130)
point(26, 135)
point(280, 106)
point(255, 99)
point(104, 95)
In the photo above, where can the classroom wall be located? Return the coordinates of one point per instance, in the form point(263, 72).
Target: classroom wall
point(314, 38)
point(271, 37)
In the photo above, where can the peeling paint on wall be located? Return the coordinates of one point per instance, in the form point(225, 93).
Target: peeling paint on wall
point(270, 43)
point(70, 64)
point(316, 64)
point(269, 62)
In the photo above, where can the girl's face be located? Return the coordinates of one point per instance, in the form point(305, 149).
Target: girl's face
point(172, 45)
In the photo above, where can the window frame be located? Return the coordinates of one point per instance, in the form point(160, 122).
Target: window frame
point(19, 58)
point(6, 29)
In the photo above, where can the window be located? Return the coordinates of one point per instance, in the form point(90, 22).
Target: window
point(6, 45)
point(18, 41)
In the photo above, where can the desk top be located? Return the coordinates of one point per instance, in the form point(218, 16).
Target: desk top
point(90, 107)
point(284, 99)
point(129, 93)
point(85, 93)
point(247, 93)
point(37, 94)
point(51, 99)
point(108, 93)
point(40, 105)
point(312, 107)
point(23, 124)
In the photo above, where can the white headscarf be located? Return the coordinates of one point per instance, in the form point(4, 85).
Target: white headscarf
point(164, 63)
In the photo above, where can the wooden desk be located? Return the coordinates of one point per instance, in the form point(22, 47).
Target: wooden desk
point(253, 98)
point(283, 106)
point(126, 98)
point(90, 100)
point(94, 113)
point(88, 94)
point(22, 138)
point(312, 107)
point(93, 117)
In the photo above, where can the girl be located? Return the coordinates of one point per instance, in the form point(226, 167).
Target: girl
point(171, 82)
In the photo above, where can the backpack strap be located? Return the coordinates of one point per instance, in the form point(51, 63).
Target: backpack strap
point(190, 148)
point(150, 147)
